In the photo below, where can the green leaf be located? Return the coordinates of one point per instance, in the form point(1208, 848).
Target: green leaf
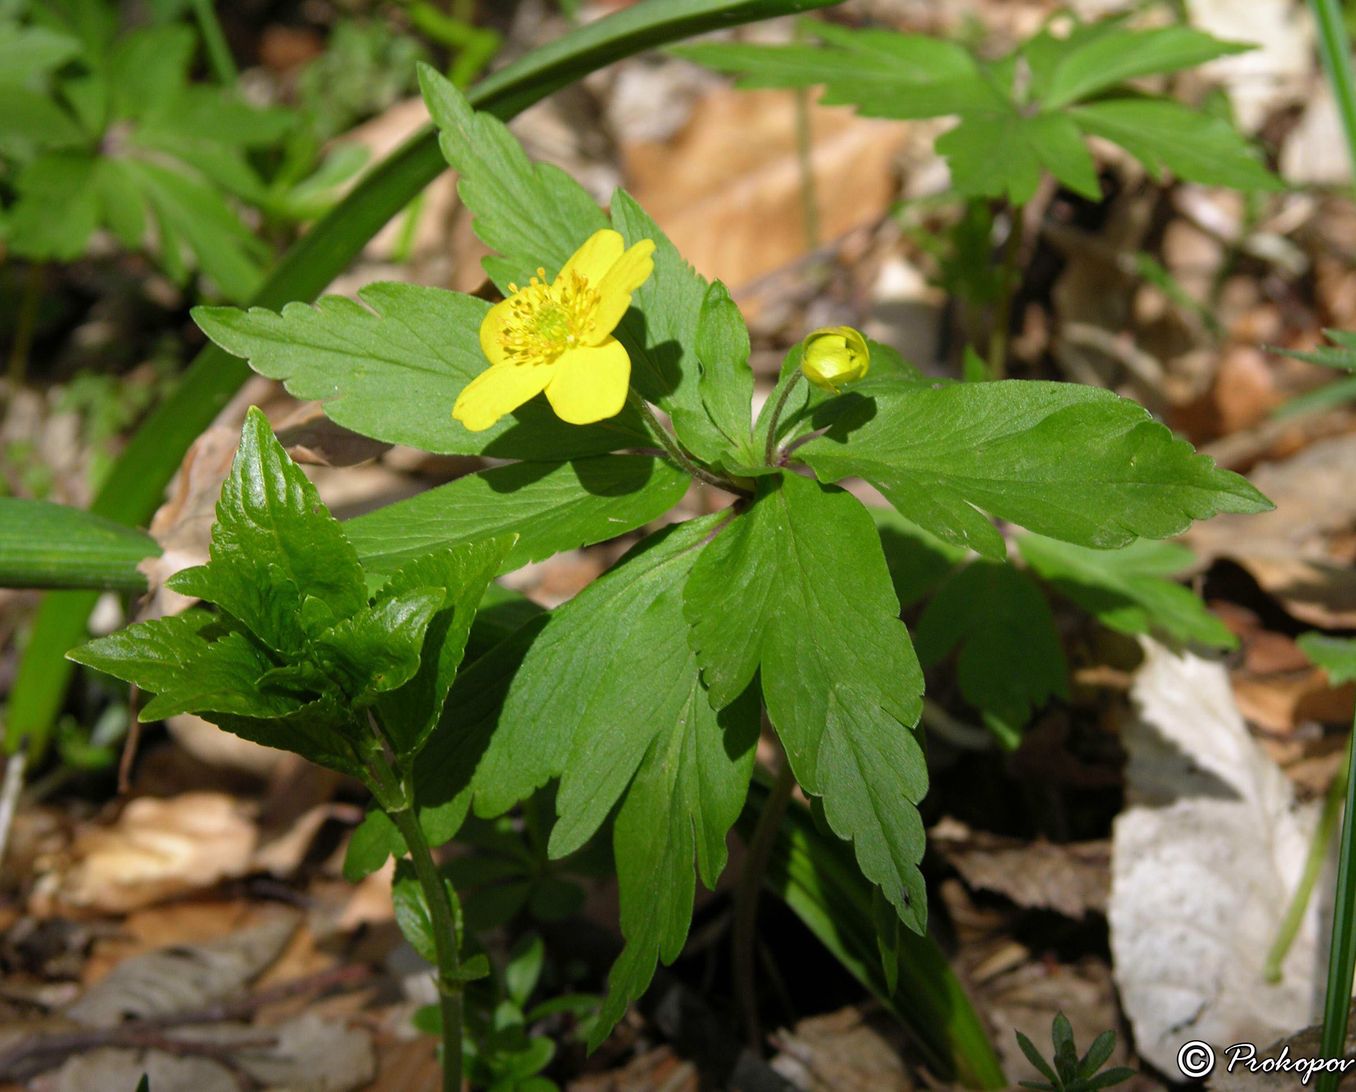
point(660, 332)
point(608, 672)
point(152, 655)
point(918, 561)
point(797, 590)
point(1033, 1056)
point(373, 840)
point(688, 792)
point(606, 694)
point(1121, 55)
point(530, 214)
point(45, 545)
point(551, 507)
point(1129, 590)
point(1010, 661)
point(462, 573)
point(1097, 1054)
point(149, 67)
point(122, 204)
point(1071, 462)
point(393, 369)
point(274, 547)
point(881, 73)
point(28, 53)
point(722, 348)
point(224, 677)
point(1066, 1055)
point(57, 208)
point(1165, 135)
point(411, 911)
point(195, 222)
point(1336, 655)
point(30, 121)
point(1001, 153)
point(320, 730)
point(377, 649)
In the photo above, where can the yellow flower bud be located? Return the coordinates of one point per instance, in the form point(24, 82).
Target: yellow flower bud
point(835, 356)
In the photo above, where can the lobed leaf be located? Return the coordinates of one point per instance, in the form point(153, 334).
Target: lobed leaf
point(1130, 590)
point(796, 590)
point(1070, 462)
point(880, 72)
point(1165, 135)
point(1122, 54)
point(462, 573)
point(1009, 658)
point(549, 506)
point(275, 548)
point(393, 369)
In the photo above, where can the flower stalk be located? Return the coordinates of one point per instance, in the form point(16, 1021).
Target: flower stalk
point(673, 449)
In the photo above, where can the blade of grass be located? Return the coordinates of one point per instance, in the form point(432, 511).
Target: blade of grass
point(821, 885)
point(1334, 47)
point(44, 545)
point(137, 481)
point(1342, 951)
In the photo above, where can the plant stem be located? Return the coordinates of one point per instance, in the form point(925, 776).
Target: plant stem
point(214, 41)
point(1342, 953)
point(1334, 47)
point(809, 203)
point(1313, 866)
point(445, 939)
point(770, 451)
point(746, 899)
point(998, 336)
point(25, 325)
point(672, 448)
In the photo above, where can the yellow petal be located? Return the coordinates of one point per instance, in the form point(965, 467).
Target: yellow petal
point(590, 384)
point(491, 330)
point(498, 390)
point(627, 274)
point(598, 254)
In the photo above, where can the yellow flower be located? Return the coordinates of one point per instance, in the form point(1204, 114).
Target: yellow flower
point(557, 338)
point(835, 356)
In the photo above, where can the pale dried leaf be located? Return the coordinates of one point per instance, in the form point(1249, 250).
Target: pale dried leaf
point(1203, 860)
point(313, 1055)
point(183, 977)
point(1278, 72)
point(108, 1069)
point(157, 849)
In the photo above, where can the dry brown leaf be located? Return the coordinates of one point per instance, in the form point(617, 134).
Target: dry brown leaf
point(312, 438)
point(1071, 879)
point(839, 1052)
point(656, 1070)
point(727, 189)
point(183, 977)
point(107, 1069)
point(1300, 552)
point(157, 849)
